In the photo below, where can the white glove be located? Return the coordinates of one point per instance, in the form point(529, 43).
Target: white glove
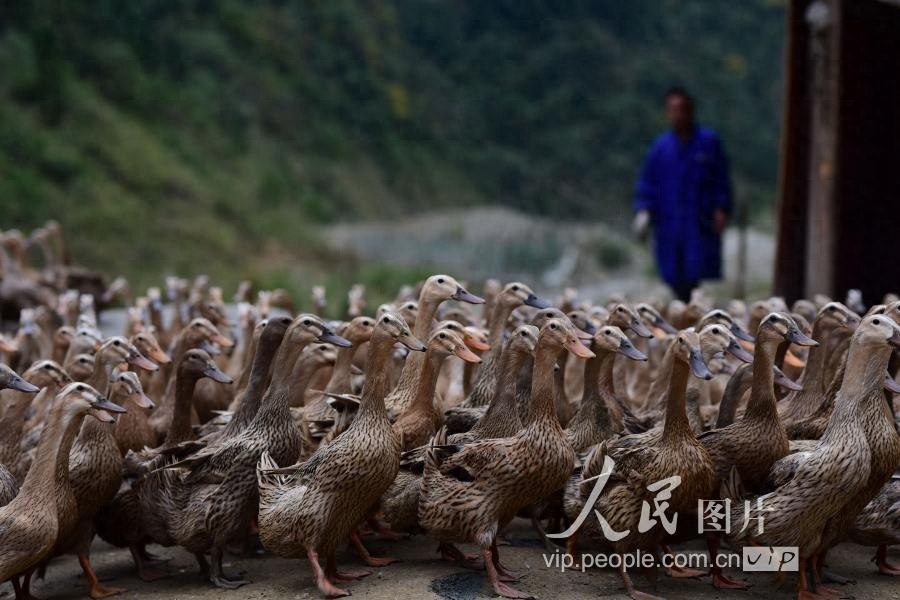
point(640, 224)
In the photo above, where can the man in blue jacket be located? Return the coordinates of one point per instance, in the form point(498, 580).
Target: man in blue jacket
point(685, 192)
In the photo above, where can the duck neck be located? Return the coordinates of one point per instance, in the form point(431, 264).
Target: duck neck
point(499, 317)
point(734, 391)
point(301, 377)
point(11, 424)
point(274, 406)
point(864, 374)
point(543, 387)
point(180, 429)
point(816, 357)
point(762, 403)
point(598, 377)
point(423, 401)
point(100, 378)
point(260, 375)
point(340, 382)
point(677, 425)
point(425, 319)
point(503, 403)
point(657, 388)
point(377, 384)
point(50, 469)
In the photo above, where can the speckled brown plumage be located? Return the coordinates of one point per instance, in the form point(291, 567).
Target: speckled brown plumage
point(315, 508)
point(468, 494)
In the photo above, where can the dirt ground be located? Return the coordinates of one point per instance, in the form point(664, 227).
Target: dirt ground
point(421, 574)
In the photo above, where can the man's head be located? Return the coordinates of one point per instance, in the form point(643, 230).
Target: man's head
point(679, 109)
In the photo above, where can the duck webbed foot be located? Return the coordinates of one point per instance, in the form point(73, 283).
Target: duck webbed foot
point(96, 589)
point(884, 566)
point(345, 576)
point(222, 578)
point(450, 552)
point(322, 582)
point(721, 581)
point(494, 577)
point(363, 552)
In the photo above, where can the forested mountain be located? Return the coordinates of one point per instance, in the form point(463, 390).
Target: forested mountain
point(218, 135)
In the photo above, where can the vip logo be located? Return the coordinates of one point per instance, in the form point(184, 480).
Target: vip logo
point(771, 558)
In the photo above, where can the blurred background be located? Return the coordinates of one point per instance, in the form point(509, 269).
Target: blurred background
point(293, 143)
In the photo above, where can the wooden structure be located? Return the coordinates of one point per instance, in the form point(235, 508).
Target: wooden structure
point(839, 189)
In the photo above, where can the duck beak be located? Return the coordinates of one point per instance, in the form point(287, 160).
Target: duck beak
point(575, 346)
point(144, 401)
point(221, 340)
point(698, 367)
point(664, 325)
point(895, 339)
point(786, 382)
point(627, 349)
point(101, 415)
point(589, 328)
point(158, 356)
point(20, 385)
point(412, 342)
point(740, 333)
point(640, 329)
point(535, 302)
point(107, 406)
point(139, 360)
point(466, 354)
point(891, 385)
point(737, 351)
point(216, 374)
point(354, 370)
point(583, 335)
point(463, 295)
point(209, 347)
point(8, 347)
point(475, 344)
point(792, 360)
point(795, 336)
point(331, 337)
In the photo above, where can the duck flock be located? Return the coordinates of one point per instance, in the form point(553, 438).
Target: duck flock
point(444, 414)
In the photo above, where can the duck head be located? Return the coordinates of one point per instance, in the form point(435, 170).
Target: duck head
point(198, 363)
point(45, 372)
point(624, 317)
point(781, 327)
point(438, 288)
point(127, 385)
point(716, 339)
point(395, 327)
point(687, 349)
point(117, 350)
point(613, 339)
point(516, 294)
point(446, 342)
point(307, 328)
point(80, 398)
point(562, 334)
point(651, 315)
point(10, 380)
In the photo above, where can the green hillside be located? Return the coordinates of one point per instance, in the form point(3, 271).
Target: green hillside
point(216, 136)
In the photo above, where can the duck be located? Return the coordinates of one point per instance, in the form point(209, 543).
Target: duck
point(30, 525)
point(400, 503)
point(470, 491)
point(420, 421)
point(217, 484)
point(436, 290)
point(310, 508)
point(137, 514)
point(626, 471)
point(815, 494)
point(737, 387)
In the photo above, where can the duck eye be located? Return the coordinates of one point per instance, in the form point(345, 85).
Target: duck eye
point(385, 320)
point(80, 388)
point(515, 288)
point(116, 343)
point(620, 309)
point(442, 336)
point(877, 321)
point(441, 280)
point(306, 322)
point(552, 325)
point(608, 331)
